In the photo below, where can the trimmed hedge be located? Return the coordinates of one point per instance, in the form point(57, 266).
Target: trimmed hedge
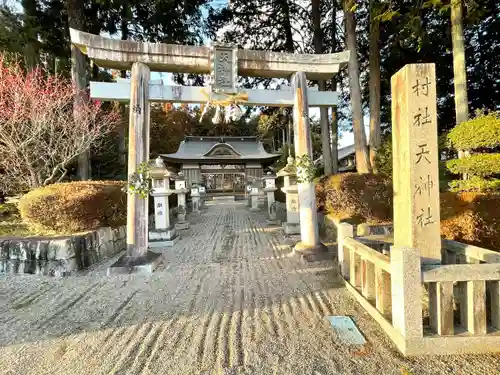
point(75, 206)
point(481, 165)
point(483, 131)
point(468, 217)
point(471, 218)
point(480, 171)
point(475, 184)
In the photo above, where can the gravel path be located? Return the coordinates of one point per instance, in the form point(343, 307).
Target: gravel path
point(226, 300)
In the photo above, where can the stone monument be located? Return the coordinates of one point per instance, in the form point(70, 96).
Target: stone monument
point(181, 191)
point(164, 234)
point(415, 161)
point(269, 189)
point(289, 173)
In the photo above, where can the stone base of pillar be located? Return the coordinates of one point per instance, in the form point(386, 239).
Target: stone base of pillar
point(311, 253)
point(182, 225)
point(196, 205)
point(163, 238)
point(291, 228)
point(139, 265)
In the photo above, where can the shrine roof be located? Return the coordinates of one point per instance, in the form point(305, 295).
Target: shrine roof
point(343, 153)
point(220, 148)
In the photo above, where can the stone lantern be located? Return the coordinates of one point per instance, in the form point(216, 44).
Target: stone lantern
point(290, 188)
point(163, 234)
point(269, 189)
point(181, 191)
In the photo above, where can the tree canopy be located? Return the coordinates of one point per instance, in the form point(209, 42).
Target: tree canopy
point(403, 32)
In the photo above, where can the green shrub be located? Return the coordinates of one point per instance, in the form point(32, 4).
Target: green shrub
point(483, 131)
point(481, 165)
point(383, 157)
point(480, 133)
point(359, 198)
point(476, 184)
point(75, 206)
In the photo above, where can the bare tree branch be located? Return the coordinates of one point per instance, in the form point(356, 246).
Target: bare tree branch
point(40, 134)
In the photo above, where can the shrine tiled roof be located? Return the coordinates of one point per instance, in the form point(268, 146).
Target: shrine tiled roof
point(220, 148)
point(343, 153)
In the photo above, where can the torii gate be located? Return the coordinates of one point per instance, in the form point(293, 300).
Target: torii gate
point(224, 63)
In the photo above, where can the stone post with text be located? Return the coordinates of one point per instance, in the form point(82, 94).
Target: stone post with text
point(415, 161)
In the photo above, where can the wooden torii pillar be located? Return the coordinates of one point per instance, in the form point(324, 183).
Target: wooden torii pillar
point(224, 63)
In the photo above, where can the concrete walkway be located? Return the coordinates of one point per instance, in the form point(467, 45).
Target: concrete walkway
point(227, 299)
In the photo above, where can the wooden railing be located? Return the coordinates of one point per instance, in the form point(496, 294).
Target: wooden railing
point(370, 274)
point(469, 280)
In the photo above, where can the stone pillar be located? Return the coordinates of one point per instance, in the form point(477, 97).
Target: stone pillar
point(195, 200)
point(181, 191)
point(138, 147)
point(255, 197)
point(406, 292)
point(309, 233)
point(269, 189)
point(415, 161)
point(137, 257)
point(248, 197)
point(203, 196)
point(164, 234)
point(289, 173)
point(344, 230)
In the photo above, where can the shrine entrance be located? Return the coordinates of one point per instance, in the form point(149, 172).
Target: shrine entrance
point(223, 178)
point(224, 63)
point(223, 182)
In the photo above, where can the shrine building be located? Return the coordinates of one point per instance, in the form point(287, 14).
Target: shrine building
point(222, 164)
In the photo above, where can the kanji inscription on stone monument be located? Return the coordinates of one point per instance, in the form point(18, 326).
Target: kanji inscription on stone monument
point(415, 161)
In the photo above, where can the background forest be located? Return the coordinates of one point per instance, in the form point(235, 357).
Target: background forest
point(385, 36)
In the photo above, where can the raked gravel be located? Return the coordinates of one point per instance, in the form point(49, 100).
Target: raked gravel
point(226, 300)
